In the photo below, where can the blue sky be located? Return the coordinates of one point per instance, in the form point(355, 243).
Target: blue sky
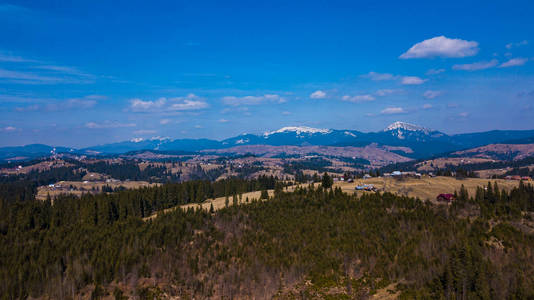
point(91, 72)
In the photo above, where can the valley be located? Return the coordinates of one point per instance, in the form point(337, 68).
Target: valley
point(294, 213)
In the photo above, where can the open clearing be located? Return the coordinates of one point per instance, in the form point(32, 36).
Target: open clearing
point(83, 187)
point(426, 188)
point(217, 203)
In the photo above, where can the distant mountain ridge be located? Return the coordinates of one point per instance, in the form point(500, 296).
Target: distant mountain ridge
point(422, 141)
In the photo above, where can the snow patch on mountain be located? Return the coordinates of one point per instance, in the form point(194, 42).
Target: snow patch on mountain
point(137, 140)
point(398, 126)
point(242, 141)
point(160, 138)
point(298, 130)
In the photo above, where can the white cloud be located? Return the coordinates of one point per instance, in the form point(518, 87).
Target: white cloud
point(108, 124)
point(140, 105)
point(164, 121)
point(379, 76)
point(188, 105)
point(481, 65)
point(223, 121)
point(435, 71)
point(385, 92)
point(392, 111)
point(286, 113)
point(441, 46)
point(190, 102)
point(427, 106)
point(412, 80)
point(318, 95)
point(8, 129)
point(252, 100)
point(432, 94)
point(518, 44)
point(514, 62)
point(358, 98)
point(407, 80)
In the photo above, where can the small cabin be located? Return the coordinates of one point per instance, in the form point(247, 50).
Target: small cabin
point(445, 197)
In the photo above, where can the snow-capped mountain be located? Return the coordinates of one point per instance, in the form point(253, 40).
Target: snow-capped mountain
point(402, 130)
point(298, 130)
point(421, 140)
point(403, 126)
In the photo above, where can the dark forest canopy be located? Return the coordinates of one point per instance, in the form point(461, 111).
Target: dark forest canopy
point(473, 249)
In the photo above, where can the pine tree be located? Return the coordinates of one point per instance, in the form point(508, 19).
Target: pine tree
point(327, 181)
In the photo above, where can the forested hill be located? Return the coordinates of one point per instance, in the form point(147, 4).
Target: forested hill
point(311, 243)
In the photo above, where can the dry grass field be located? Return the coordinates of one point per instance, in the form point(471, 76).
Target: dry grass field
point(441, 163)
point(42, 166)
point(218, 203)
point(426, 188)
point(80, 187)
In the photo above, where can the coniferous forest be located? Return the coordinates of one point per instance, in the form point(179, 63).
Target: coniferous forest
point(313, 243)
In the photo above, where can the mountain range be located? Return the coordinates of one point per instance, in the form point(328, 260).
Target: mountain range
point(422, 142)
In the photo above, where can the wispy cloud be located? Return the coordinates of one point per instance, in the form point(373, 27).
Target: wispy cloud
point(412, 80)
point(252, 100)
point(406, 80)
point(31, 71)
point(435, 71)
point(64, 70)
point(358, 98)
point(514, 62)
point(144, 131)
point(86, 102)
point(108, 124)
point(515, 45)
point(188, 103)
point(379, 76)
point(223, 121)
point(432, 94)
point(318, 95)
point(7, 57)
point(481, 65)
point(427, 106)
point(441, 46)
point(27, 78)
point(393, 111)
point(8, 129)
point(385, 92)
